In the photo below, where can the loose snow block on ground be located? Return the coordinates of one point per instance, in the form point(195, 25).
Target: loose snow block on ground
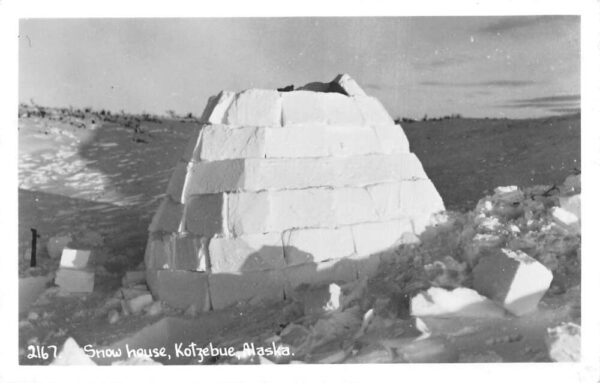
point(460, 302)
point(572, 204)
point(75, 258)
point(306, 107)
point(512, 278)
point(246, 253)
point(180, 289)
point(566, 219)
point(564, 342)
point(291, 173)
point(133, 278)
point(255, 107)
point(74, 280)
point(316, 245)
point(227, 289)
point(137, 304)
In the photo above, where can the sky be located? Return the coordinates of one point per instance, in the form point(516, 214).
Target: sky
point(500, 66)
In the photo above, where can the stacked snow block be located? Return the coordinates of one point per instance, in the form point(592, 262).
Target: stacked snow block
point(276, 189)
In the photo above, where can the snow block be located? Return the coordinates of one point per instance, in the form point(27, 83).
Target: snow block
point(392, 139)
point(168, 217)
point(566, 219)
point(159, 252)
point(317, 245)
point(420, 198)
point(176, 251)
point(371, 238)
point(180, 289)
point(349, 86)
point(221, 142)
point(215, 110)
point(512, 278)
point(366, 266)
point(572, 204)
point(203, 214)
point(227, 289)
point(372, 111)
point(177, 181)
point(137, 304)
point(255, 107)
point(460, 302)
point(74, 280)
point(306, 107)
point(246, 253)
point(298, 173)
point(74, 258)
point(333, 141)
point(277, 211)
point(188, 253)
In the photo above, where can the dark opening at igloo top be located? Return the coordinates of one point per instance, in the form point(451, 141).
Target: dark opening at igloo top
point(335, 86)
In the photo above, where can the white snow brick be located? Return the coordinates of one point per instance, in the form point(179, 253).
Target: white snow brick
point(321, 141)
point(137, 304)
point(317, 245)
point(298, 173)
point(572, 204)
point(180, 289)
point(159, 253)
point(420, 198)
point(335, 270)
point(74, 280)
point(178, 252)
point(214, 113)
point(372, 111)
point(168, 217)
point(228, 289)
point(203, 214)
point(177, 181)
point(566, 219)
point(220, 142)
point(349, 86)
point(75, 258)
point(370, 238)
point(246, 253)
point(255, 107)
point(306, 107)
point(276, 211)
point(512, 278)
point(391, 138)
point(460, 302)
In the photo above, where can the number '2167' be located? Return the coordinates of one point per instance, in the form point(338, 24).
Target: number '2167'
point(41, 352)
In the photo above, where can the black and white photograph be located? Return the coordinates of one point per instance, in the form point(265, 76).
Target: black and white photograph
point(228, 190)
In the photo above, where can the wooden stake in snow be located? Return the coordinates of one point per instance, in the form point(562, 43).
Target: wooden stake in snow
point(34, 237)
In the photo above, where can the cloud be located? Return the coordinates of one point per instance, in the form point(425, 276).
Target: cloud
point(511, 23)
point(559, 98)
point(494, 83)
point(372, 86)
point(565, 103)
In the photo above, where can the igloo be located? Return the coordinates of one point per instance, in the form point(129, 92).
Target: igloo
point(276, 189)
